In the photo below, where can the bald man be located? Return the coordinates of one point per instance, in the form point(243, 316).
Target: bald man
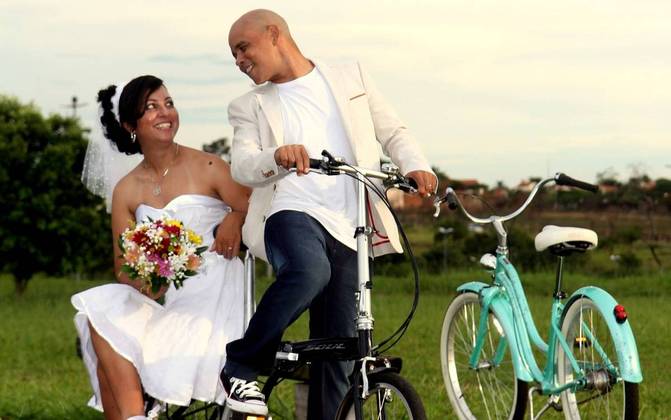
point(304, 224)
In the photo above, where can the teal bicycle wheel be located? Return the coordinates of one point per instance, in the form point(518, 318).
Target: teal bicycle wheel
point(491, 391)
point(606, 395)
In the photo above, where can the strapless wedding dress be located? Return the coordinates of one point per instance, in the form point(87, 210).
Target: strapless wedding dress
point(178, 348)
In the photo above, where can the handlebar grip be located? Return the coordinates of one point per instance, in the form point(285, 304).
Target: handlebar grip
point(451, 202)
point(563, 179)
point(412, 183)
point(316, 163)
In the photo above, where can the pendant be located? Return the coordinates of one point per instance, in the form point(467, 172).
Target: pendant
point(156, 190)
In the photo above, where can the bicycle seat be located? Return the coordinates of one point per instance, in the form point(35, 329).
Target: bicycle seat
point(565, 240)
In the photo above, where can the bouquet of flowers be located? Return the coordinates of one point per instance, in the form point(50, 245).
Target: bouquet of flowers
point(160, 252)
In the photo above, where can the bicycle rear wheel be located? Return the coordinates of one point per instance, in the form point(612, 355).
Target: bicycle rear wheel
point(390, 397)
point(492, 391)
point(608, 396)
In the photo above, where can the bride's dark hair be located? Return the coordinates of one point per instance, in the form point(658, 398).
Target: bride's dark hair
point(131, 108)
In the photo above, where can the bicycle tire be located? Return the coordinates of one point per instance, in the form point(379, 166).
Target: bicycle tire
point(391, 397)
point(492, 392)
point(616, 400)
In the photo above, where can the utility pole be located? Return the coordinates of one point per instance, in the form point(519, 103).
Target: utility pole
point(74, 105)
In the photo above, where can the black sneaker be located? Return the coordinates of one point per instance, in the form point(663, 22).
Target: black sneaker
point(244, 396)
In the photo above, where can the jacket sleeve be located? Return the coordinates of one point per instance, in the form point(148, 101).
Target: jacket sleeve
point(252, 163)
point(397, 141)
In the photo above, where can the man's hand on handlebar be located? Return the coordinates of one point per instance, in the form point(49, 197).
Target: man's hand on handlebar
point(426, 182)
point(293, 156)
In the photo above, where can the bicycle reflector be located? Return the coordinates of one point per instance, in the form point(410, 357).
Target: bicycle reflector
point(620, 313)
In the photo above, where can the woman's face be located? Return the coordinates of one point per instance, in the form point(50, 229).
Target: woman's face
point(160, 120)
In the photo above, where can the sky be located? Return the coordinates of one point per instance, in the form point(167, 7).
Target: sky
point(492, 90)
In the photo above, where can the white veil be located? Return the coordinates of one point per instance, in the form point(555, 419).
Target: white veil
point(104, 165)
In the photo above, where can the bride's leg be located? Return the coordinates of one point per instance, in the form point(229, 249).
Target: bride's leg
point(121, 377)
point(109, 404)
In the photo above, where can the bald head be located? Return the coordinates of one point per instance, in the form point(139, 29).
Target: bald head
point(260, 20)
point(263, 48)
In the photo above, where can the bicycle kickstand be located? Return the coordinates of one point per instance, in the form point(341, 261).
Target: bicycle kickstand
point(553, 401)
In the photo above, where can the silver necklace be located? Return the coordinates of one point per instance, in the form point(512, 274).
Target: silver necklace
point(156, 190)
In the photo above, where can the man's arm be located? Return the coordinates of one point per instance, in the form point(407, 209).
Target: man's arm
point(251, 164)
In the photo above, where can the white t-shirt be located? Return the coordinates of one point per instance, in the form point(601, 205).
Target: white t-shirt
point(310, 117)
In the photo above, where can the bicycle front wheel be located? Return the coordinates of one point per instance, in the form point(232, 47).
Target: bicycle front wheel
point(390, 397)
point(606, 395)
point(492, 390)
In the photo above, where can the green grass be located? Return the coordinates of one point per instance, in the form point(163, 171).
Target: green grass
point(41, 377)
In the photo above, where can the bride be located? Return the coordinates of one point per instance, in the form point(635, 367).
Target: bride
point(132, 344)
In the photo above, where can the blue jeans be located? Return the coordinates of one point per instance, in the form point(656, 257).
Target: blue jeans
point(313, 271)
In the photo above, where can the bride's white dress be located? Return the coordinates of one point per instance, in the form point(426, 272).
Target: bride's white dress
point(178, 348)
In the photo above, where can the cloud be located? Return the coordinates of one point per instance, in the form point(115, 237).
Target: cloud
point(481, 84)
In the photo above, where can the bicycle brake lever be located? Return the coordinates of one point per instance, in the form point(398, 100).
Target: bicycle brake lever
point(436, 203)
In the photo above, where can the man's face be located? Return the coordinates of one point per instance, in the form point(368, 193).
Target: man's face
point(254, 52)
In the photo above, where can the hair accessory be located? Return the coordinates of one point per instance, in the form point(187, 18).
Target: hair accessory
point(104, 165)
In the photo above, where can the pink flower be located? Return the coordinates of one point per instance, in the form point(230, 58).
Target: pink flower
point(164, 268)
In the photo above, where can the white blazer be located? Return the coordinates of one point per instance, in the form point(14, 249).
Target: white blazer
point(368, 120)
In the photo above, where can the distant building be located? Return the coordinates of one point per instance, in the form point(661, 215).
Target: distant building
point(468, 186)
point(647, 184)
point(608, 188)
point(526, 185)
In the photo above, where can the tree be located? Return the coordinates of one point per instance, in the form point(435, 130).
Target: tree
point(442, 176)
point(219, 147)
point(607, 177)
point(51, 223)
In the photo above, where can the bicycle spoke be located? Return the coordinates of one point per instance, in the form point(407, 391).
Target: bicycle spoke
point(489, 390)
point(588, 336)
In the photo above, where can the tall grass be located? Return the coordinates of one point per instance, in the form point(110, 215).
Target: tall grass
point(42, 378)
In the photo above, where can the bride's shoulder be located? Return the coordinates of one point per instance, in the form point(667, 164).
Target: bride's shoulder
point(205, 160)
point(130, 180)
point(128, 187)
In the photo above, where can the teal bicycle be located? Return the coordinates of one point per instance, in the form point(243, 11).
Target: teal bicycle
point(591, 367)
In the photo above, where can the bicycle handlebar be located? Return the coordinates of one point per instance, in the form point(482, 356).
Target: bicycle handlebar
point(390, 175)
point(563, 179)
point(453, 201)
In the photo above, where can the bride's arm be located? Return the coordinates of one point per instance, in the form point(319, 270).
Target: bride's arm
point(122, 217)
point(229, 232)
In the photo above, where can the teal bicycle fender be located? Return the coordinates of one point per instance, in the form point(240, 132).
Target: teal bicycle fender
point(505, 316)
point(623, 337)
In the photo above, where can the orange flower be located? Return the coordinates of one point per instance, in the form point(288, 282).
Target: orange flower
point(132, 255)
point(193, 263)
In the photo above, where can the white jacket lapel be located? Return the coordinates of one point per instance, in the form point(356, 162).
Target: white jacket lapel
point(269, 101)
point(339, 92)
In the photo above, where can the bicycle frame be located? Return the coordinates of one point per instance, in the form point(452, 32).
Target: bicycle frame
point(293, 355)
point(506, 298)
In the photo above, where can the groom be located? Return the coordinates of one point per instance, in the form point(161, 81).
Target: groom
point(304, 224)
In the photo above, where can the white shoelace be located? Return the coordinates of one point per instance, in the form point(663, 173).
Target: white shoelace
point(246, 390)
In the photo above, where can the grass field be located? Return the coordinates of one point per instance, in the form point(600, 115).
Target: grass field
point(41, 377)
